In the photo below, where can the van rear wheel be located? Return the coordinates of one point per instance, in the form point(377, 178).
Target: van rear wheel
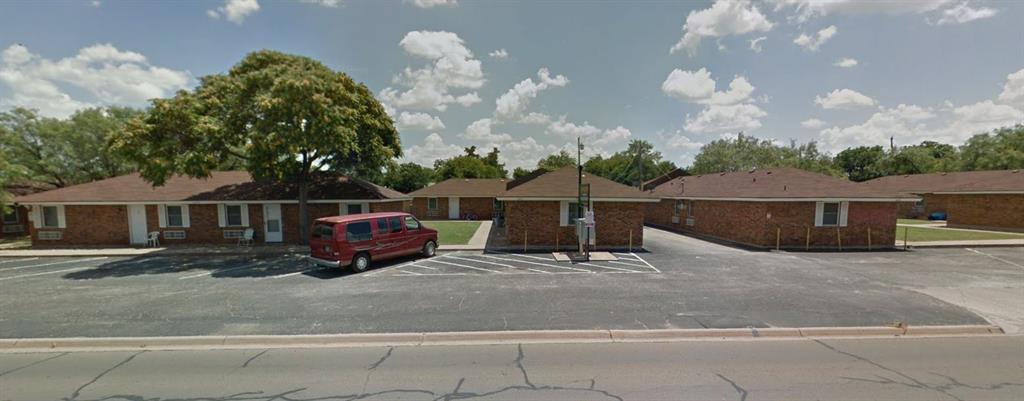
point(429, 249)
point(361, 262)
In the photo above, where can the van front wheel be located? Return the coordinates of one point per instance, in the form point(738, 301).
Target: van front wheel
point(361, 262)
point(429, 249)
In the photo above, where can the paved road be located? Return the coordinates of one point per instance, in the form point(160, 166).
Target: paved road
point(894, 369)
point(680, 283)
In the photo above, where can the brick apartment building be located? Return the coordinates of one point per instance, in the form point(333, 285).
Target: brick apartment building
point(540, 210)
point(14, 222)
point(792, 208)
point(971, 199)
point(459, 199)
point(122, 210)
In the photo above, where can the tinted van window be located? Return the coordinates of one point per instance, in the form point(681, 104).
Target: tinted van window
point(358, 231)
point(323, 231)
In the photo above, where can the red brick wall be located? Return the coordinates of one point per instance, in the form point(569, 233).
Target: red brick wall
point(22, 221)
point(483, 208)
point(90, 226)
point(748, 223)
point(539, 222)
point(396, 206)
point(419, 209)
point(991, 211)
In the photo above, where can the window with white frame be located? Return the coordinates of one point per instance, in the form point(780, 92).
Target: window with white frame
point(689, 208)
point(51, 217)
point(49, 235)
point(680, 206)
point(431, 203)
point(11, 216)
point(174, 234)
point(176, 216)
point(830, 214)
point(354, 208)
point(233, 215)
point(574, 212)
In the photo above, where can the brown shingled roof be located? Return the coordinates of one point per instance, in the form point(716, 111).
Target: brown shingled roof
point(221, 185)
point(965, 181)
point(463, 187)
point(561, 183)
point(767, 184)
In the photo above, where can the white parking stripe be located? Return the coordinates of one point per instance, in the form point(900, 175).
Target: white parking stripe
point(45, 273)
point(496, 264)
point(619, 262)
point(583, 263)
point(53, 263)
point(421, 267)
point(467, 266)
point(384, 269)
point(645, 262)
point(218, 271)
point(407, 272)
point(535, 263)
point(17, 260)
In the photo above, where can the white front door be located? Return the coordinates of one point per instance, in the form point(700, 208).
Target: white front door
point(453, 208)
point(137, 224)
point(272, 223)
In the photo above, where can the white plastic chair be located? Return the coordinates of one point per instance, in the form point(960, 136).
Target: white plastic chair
point(246, 238)
point(153, 240)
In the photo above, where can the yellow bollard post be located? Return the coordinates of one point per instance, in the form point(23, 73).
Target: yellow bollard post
point(525, 233)
point(807, 246)
point(778, 233)
point(556, 240)
point(839, 238)
point(631, 240)
point(905, 231)
point(869, 238)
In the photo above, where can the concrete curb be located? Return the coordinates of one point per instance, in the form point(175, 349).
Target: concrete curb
point(27, 345)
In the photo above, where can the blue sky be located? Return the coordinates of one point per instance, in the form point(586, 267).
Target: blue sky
point(530, 76)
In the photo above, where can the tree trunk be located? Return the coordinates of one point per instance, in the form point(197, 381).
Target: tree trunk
point(303, 212)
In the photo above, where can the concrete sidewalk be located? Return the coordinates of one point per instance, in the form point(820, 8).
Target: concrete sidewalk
point(477, 243)
point(162, 251)
point(961, 244)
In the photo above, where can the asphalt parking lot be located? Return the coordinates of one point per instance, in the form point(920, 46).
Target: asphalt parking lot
point(680, 282)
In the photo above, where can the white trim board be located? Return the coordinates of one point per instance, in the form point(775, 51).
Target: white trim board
point(795, 199)
point(646, 200)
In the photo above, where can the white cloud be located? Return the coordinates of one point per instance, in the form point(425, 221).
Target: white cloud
point(325, 3)
point(422, 121)
point(434, 3)
point(499, 54)
point(452, 67)
point(813, 123)
point(587, 132)
point(689, 86)
point(107, 75)
point(480, 130)
point(807, 9)
point(812, 43)
point(514, 102)
point(733, 117)
point(524, 153)
point(846, 62)
point(755, 44)
point(433, 148)
point(235, 10)
point(725, 17)
point(963, 13)
point(468, 99)
point(739, 91)
point(95, 3)
point(1013, 91)
point(679, 147)
point(844, 99)
point(535, 118)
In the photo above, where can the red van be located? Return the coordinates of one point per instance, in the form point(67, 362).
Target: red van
point(357, 239)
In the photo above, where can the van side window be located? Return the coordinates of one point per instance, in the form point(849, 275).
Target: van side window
point(382, 226)
point(411, 223)
point(396, 224)
point(358, 231)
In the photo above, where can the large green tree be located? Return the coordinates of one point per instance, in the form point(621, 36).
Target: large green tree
point(861, 163)
point(470, 165)
point(285, 117)
point(556, 161)
point(408, 177)
point(746, 152)
point(1002, 149)
point(64, 152)
point(638, 163)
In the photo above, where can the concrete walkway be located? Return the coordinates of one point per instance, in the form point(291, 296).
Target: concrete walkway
point(477, 243)
point(961, 244)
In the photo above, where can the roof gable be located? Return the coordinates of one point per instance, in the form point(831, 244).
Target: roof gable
point(463, 187)
point(773, 183)
point(562, 183)
point(963, 181)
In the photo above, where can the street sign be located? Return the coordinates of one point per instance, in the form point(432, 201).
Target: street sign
point(588, 218)
point(584, 194)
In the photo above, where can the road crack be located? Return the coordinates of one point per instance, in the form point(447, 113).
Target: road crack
point(78, 391)
point(742, 392)
point(33, 364)
point(247, 362)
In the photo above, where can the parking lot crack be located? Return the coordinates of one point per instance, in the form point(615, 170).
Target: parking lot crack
point(78, 391)
point(33, 364)
point(740, 390)
point(248, 361)
point(382, 359)
point(519, 364)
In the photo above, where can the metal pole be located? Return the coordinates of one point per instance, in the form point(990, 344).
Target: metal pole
point(839, 238)
point(869, 238)
point(778, 234)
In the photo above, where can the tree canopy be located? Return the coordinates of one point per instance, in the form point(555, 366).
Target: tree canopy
point(746, 152)
point(63, 152)
point(638, 163)
point(470, 165)
point(284, 117)
point(408, 177)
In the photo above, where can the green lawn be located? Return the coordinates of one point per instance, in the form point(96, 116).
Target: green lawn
point(453, 232)
point(946, 234)
point(913, 221)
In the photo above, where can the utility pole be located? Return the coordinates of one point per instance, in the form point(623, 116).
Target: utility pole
point(579, 177)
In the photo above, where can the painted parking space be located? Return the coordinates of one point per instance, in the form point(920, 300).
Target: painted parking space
point(505, 264)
